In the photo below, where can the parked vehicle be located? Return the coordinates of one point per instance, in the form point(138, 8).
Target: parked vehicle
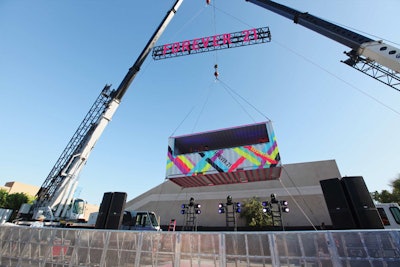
point(390, 215)
point(140, 221)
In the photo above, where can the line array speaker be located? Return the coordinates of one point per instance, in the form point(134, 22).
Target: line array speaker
point(111, 210)
point(365, 213)
point(339, 210)
point(350, 204)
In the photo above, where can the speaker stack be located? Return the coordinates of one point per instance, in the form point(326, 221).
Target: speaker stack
point(111, 210)
point(350, 204)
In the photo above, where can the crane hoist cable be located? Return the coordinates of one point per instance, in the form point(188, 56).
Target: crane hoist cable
point(232, 92)
point(216, 73)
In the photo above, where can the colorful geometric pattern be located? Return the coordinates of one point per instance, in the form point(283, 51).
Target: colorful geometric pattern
point(242, 158)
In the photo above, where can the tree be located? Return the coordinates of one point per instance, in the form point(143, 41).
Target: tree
point(253, 213)
point(387, 197)
point(3, 198)
point(14, 201)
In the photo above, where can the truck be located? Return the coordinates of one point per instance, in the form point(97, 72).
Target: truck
point(55, 198)
point(131, 221)
point(390, 215)
point(140, 221)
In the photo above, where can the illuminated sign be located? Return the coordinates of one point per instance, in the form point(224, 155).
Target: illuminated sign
point(212, 43)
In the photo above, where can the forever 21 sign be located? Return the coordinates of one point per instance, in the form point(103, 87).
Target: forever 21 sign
point(211, 43)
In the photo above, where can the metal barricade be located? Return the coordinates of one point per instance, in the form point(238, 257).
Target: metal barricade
point(27, 246)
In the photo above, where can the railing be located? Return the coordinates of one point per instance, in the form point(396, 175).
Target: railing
point(28, 246)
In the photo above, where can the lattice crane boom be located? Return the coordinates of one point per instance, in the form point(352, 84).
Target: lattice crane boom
point(57, 190)
point(374, 58)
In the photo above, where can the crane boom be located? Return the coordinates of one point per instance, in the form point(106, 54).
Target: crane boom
point(57, 190)
point(374, 58)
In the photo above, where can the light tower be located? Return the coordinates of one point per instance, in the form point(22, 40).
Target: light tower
point(190, 211)
point(275, 207)
point(230, 209)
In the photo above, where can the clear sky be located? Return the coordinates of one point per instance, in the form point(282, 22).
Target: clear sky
point(56, 56)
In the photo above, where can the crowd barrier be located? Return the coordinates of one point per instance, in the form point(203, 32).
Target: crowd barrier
point(60, 247)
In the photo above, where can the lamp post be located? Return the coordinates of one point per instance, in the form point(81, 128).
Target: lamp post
point(190, 211)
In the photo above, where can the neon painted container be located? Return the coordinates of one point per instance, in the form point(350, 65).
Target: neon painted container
point(241, 154)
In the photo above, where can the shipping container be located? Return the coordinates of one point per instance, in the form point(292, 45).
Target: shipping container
point(240, 154)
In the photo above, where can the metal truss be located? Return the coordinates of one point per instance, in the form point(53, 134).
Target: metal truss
point(374, 70)
point(236, 39)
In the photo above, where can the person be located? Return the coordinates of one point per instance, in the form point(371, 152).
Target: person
point(39, 222)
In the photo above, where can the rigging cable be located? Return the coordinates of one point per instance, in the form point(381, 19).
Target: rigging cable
point(202, 108)
point(294, 200)
point(215, 32)
point(324, 69)
point(214, 22)
point(230, 91)
point(187, 115)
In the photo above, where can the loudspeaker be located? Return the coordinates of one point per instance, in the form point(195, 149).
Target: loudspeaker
point(365, 213)
point(103, 211)
point(116, 211)
point(338, 207)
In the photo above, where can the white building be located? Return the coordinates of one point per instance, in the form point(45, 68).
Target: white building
point(298, 184)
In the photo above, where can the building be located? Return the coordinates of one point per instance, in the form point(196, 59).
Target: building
point(242, 162)
point(298, 184)
point(17, 187)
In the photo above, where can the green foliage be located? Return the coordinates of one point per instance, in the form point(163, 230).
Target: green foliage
point(14, 201)
point(252, 211)
point(387, 197)
point(3, 198)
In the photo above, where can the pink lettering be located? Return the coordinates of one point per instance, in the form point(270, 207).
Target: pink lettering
point(185, 46)
point(195, 44)
point(175, 47)
point(166, 48)
point(211, 41)
point(255, 34)
point(205, 41)
point(215, 40)
point(246, 36)
point(226, 38)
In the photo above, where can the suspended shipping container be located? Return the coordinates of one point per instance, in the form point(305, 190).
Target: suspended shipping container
point(228, 156)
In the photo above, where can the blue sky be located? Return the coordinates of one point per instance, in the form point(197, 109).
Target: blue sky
point(56, 56)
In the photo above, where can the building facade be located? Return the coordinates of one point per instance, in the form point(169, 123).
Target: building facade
point(17, 187)
point(298, 184)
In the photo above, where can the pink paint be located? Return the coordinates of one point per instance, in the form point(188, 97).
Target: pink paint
point(205, 41)
point(175, 47)
point(226, 38)
point(215, 40)
point(185, 46)
point(210, 41)
point(195, 44)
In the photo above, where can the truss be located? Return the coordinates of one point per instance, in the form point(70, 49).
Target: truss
point(374, 70)
point(217, 42)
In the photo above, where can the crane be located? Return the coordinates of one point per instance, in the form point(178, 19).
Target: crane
point(56, 193)
point(372, 57)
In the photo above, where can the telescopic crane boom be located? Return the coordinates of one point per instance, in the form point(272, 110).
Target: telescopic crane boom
point(374, 58)
point(57, 191)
